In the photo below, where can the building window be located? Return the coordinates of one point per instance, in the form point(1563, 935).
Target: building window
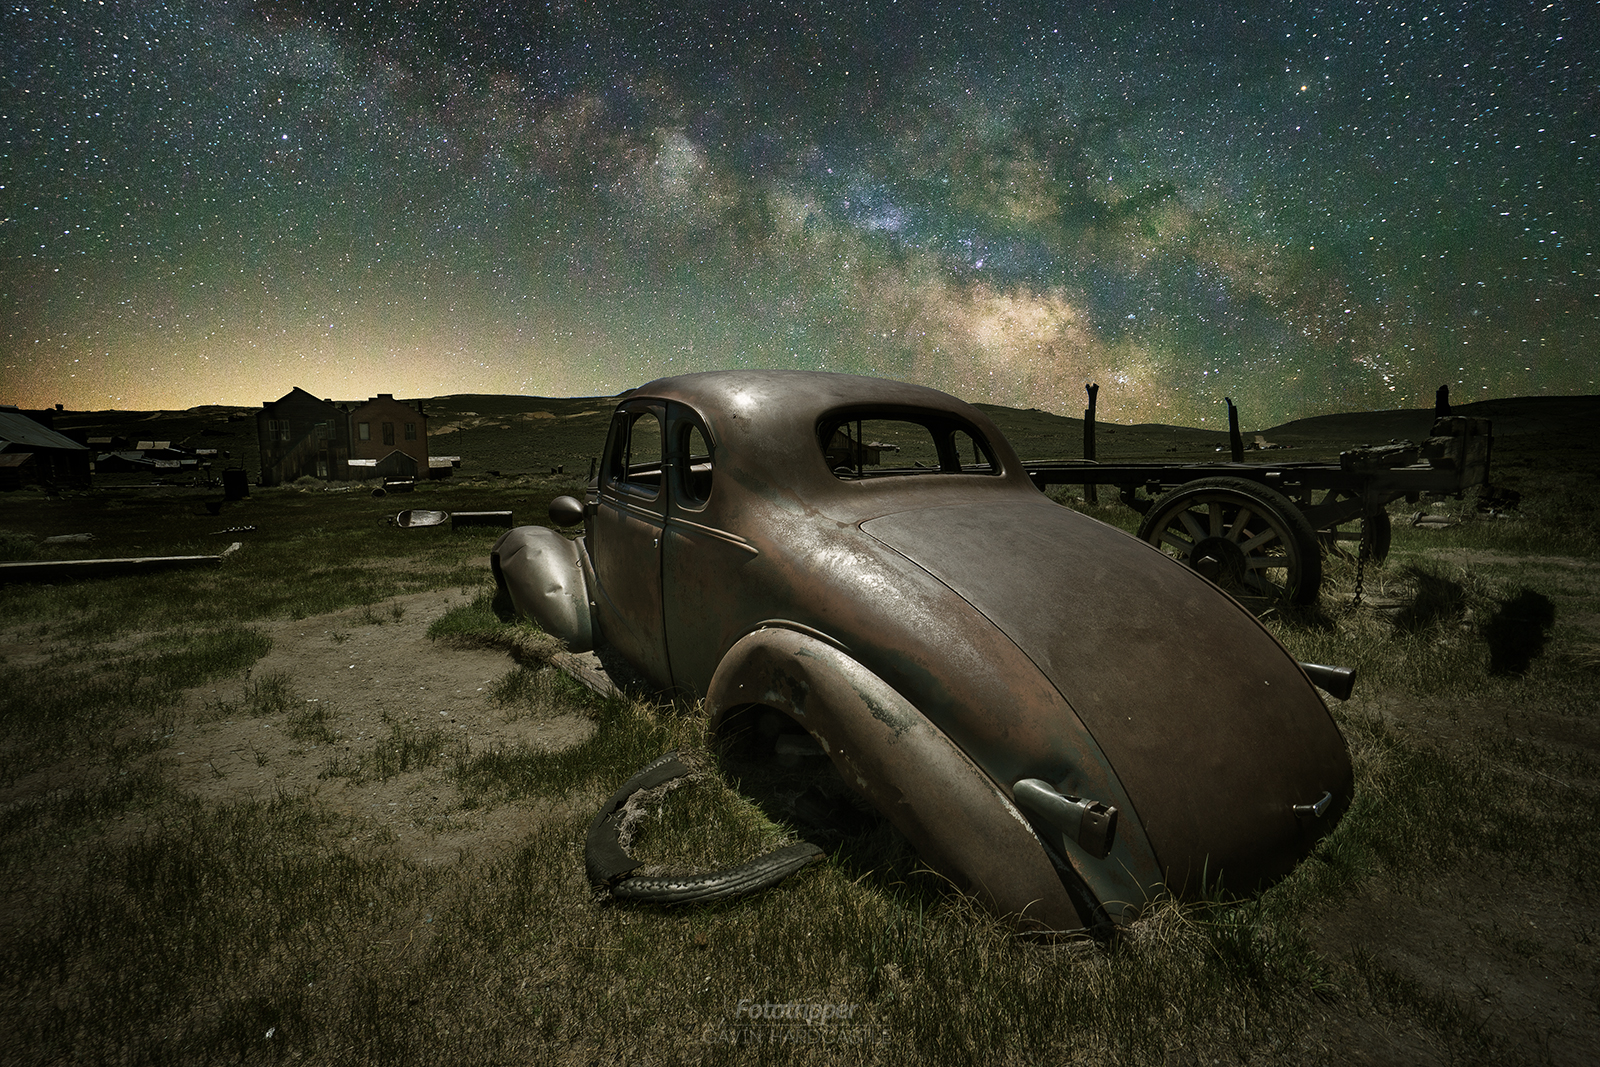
point(278, 429)
point(411, 431)
point(364, 431)
point(388, 433)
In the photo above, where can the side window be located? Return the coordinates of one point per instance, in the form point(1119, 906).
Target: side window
point(971, 454)
point(694, 465)
point(635, 462)
point(869, 447)
point(866, 446)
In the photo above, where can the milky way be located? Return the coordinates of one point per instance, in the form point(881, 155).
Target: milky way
point(1305, 207)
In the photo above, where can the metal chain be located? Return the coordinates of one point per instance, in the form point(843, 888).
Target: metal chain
point(1361, 561)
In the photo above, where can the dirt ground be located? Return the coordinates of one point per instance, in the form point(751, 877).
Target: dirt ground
point(1509, 958)
point(370, 668)
point(1503, 958)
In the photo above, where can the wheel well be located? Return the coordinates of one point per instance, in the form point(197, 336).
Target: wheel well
point(959, 820)
point(741, 726)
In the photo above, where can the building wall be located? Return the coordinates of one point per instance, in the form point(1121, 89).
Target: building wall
point(383, 425)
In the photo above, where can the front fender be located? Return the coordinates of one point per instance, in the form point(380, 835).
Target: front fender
point(543, 573)
point(960, 822)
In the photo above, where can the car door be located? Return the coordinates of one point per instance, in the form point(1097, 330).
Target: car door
point(702, 559)
point(628, 528)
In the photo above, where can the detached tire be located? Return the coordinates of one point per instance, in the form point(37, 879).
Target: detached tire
point(750, 877)
point(610, 867)
point(1248, 539)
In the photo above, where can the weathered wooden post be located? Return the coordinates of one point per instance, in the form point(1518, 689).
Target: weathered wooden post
point(1090, 490)
point(1235, 442)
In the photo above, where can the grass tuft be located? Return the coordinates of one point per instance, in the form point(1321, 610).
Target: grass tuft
point(406, 749)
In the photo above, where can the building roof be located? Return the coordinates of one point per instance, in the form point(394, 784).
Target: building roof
point(16, 428)
point(296, 393)
point(393, 452)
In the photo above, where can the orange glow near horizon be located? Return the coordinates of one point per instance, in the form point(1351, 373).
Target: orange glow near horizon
point(246, 373)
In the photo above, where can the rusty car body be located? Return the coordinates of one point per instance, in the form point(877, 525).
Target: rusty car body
point(1060, 718)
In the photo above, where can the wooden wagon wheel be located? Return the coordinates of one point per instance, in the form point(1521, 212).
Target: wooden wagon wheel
point(1248, 539)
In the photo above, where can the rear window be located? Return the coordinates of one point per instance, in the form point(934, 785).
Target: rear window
point(885, 444)
point(695, 465)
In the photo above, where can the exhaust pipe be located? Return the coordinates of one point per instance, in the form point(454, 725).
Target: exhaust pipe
point(1339, 681)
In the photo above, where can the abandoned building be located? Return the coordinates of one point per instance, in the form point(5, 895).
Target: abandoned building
point(301, 435)
point(392, 434)
point(31, 452)
point(158, 458)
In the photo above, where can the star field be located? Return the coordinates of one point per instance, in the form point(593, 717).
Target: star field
point(1307, 207)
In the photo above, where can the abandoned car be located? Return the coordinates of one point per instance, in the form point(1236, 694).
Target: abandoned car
point(1060, 718)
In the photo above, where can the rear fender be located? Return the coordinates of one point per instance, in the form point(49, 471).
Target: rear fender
point(545, 576)
point(959, 821)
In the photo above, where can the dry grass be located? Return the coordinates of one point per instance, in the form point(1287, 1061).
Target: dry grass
point(148, 921)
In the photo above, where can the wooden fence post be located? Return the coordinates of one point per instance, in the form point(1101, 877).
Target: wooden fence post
point(1090, 489)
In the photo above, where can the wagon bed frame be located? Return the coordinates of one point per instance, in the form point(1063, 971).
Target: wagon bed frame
point(1279, 516)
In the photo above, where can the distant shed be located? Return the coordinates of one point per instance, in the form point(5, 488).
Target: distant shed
point(396, 465)
point(126, 461)
point(16, 470)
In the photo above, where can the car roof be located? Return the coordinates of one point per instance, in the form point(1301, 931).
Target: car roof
point(804, 393)
point(765, 421)
point(785, 405)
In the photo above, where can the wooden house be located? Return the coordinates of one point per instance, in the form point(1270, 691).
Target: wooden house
point(301, 435)
point(384, 425)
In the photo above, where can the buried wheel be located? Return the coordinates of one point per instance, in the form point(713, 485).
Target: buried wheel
point(1248, 539)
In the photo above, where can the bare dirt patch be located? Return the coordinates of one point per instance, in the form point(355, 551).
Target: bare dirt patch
point(1509, 960)
point(352, 681)
point(1500, 960)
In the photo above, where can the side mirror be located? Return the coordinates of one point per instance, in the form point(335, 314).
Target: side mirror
point(566, 511)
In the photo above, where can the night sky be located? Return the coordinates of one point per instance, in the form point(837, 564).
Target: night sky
point(1307, 207)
